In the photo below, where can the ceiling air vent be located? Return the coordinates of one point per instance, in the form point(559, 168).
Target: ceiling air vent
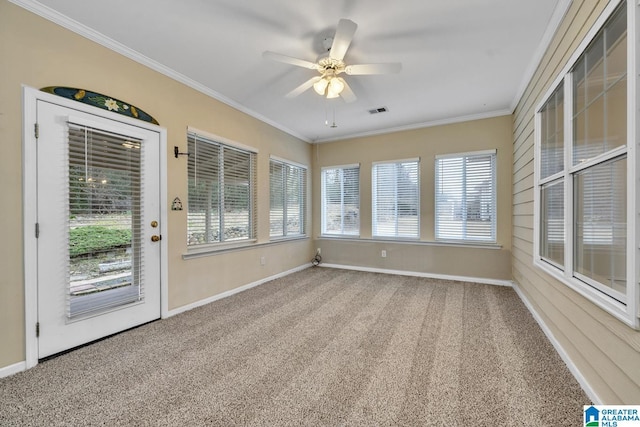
point(378, 110)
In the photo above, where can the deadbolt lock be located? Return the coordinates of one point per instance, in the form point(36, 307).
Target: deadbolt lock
point(155, 238)
point(154, 224)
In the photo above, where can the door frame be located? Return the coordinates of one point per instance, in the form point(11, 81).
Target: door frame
point(30, 98)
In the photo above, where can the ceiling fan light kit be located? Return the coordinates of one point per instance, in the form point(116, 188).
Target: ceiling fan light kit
point(321, 86)
point(335, 87)
point(330, 65)
point(329, 85)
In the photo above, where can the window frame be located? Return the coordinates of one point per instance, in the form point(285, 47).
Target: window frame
point(253, 202)
point(374, 214)
point(323, 213)
point(494, 195)
point(553, 178)
point(303, 199)
point(627, 311)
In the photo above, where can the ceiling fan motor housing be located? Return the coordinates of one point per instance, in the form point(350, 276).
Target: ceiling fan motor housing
point(326, 64)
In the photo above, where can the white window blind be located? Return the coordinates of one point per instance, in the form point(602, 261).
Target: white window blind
point(222, 192)
point(276, 197)
point(552, 134)
point(287, 195)
point(600, 92)
point(600, 227)
point(341, 200)
point(552, 233)
point(396, 199)
point(466, 197)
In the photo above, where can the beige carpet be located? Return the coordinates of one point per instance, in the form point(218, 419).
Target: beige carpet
point(319, 347)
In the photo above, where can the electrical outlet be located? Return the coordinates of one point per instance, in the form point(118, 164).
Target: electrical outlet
point(383, 254)
point(263, 261)
point(319, 251)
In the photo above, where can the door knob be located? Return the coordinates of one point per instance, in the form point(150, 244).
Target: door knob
point(155, 238)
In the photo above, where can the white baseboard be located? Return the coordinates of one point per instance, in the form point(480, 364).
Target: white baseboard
point(233, 291)
point(13, 369)
point(22, 366)
point(485, 281)
point(590, 392)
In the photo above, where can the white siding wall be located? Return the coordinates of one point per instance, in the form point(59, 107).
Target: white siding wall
point(606, 352)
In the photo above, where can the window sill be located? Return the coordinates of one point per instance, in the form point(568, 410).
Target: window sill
point(475, 245)
point(339, 236)
point(216, 248)
point(288, 238)
point(219, 249)
point(607, 303)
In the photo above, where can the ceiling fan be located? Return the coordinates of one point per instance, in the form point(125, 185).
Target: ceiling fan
point(331, 64)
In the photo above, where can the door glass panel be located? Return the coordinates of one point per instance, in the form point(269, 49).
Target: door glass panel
point(104, 227)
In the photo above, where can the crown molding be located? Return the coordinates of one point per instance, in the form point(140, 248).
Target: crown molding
point(447, 121)
point(99, 38)
point(554, 23)
point(88, 33)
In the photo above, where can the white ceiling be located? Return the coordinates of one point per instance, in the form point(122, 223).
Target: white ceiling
point(461, 59)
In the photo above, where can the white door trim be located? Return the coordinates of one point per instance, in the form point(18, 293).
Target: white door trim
point(29, 206)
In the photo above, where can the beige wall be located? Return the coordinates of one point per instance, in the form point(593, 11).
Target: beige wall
point(426, 143)
point(38, 53)
point(605, 351)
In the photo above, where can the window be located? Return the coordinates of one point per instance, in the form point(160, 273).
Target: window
point(552, 179)
point(600, 228)
point(466, 197)
point(341, 200)
point(396, 199)
point(581, 186)
point(287, 195)
point(599, 172)
point(221, 192)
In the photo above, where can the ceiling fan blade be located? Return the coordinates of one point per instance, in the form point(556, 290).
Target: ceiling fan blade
point(290, 60)
point(363, 69)
point(304, 86)
point(347, 94)
point(341, 41)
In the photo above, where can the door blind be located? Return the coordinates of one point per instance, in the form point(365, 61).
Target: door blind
point(104, 220)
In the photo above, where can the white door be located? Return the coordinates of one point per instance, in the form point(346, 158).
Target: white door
point(98, 231)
